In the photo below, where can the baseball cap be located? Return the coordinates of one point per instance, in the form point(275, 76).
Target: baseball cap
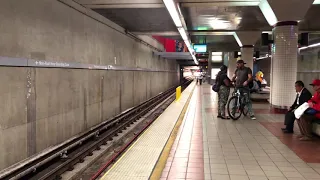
point(315, 82)
point(241, 61)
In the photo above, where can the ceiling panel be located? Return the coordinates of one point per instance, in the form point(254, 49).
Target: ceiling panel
point(225, 18)
point(146, 19)
point(310, 21)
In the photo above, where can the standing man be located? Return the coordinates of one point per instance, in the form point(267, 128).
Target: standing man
point(303, 95)
point(242, 77)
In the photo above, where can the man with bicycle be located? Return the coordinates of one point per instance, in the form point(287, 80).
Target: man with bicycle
point(242, 78)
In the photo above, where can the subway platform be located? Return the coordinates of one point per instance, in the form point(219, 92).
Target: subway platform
point(188, 142)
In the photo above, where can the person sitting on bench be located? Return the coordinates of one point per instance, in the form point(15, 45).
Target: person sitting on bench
point(311, 114)
point(303, 95)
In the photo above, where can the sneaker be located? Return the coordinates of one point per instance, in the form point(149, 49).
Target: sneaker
point(253, 117)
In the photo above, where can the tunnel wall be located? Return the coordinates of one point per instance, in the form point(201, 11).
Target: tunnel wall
point(42, 107)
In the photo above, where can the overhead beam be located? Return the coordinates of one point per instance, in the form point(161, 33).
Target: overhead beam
point(111, 4)
point(165, 33)
point(118, 6)
point(220, 3)
point(118, 1)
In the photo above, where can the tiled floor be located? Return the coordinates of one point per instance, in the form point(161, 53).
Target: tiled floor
point(211, 148)
point(186, 156)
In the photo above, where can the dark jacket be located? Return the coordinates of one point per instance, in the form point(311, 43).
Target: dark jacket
point(304, 97)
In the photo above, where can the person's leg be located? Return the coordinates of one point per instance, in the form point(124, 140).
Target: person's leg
point(249, 104)
point(306, 126)
point(300, 128)
point(219, 103)
point(289, 122)
point(259, 84)
point(224, 99)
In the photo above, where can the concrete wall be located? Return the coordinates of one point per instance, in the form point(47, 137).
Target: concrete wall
point(41, 107)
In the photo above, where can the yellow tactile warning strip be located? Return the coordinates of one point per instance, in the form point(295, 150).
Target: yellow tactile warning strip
point(157, 171)
point(139, 160)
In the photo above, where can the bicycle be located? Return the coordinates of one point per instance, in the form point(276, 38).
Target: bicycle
point(238, 103)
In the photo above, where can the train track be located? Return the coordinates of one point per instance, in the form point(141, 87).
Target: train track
point(53, 164)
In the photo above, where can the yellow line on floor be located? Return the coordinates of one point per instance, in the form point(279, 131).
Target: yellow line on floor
point(157, 171)
point(131, 146)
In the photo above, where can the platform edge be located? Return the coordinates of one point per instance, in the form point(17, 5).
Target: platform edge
point(161, 163)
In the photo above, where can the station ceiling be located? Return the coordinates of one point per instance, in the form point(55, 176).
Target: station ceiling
point(206, 20)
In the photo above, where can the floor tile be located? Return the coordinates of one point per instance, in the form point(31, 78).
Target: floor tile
point(274, 173)
point(220, 177)
point(211, 148)
point(239, 177)
point(258, 178)
point(292, 174)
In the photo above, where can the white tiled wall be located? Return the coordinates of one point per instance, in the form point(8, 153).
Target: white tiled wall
point(247, 56)
point(232, 64)
point(284, 65)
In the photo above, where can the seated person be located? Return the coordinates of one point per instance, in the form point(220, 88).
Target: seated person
point(313, 113)
point(254, 87)
point(303, 95)
point(259, 77)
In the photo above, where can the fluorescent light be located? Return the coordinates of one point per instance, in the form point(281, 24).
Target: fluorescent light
point(314, 45)
point(219, 24)
point(216, 53)
point(216, 58)
point(237, 39)
point(267, 56)
point(171, 7)
point(316, 2)
point(173, 11)
point(195, 59)
point(310, 46)
point(187, 43)
point(268, 12)
point(183, 34)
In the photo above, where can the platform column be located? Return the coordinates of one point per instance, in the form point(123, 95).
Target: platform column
point(284, 63)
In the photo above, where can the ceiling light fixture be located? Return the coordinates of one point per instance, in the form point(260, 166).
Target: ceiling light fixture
point(174, 13)
point(183, 34)
point(316, 2)
point(310, 46)
point(219, 24)
point(268, 12)
point(171, 7)
point(237, 39)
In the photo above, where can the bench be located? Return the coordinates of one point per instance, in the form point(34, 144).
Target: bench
point(316, 127)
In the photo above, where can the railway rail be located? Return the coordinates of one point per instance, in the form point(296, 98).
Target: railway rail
point(63, 158)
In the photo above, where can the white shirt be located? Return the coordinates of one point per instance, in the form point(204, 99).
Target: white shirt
point(299, 93)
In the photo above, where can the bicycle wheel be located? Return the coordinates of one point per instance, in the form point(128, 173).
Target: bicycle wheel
point(234, 109)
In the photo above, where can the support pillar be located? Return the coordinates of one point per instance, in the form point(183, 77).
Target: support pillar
point(247, 55)
point(232, 64)
point(246, 41)
point(284, 64)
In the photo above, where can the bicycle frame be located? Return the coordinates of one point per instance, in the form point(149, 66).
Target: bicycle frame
point(240, 102)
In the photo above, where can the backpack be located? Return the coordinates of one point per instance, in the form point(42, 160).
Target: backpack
point(217, 84)
point(215, 87)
